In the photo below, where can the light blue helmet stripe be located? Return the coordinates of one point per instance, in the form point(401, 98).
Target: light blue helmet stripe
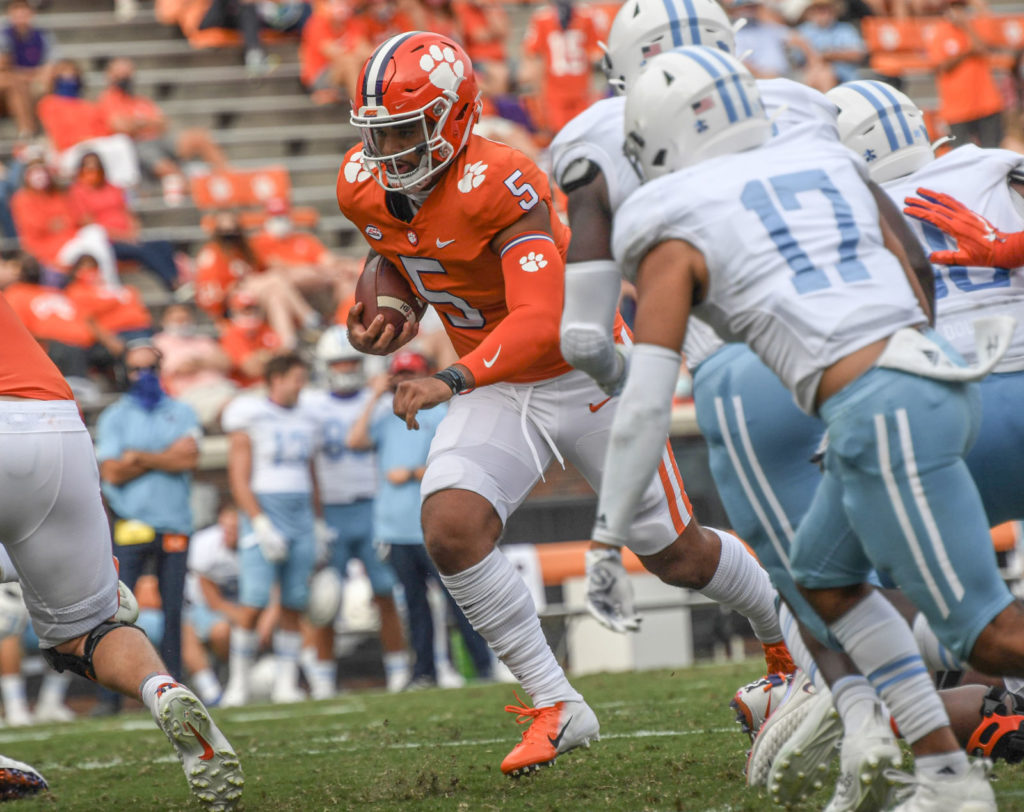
point(720, 81)
point(897, 108)
point(674, 23)
point(691, 15)
point(737, 83)
point(883, 115)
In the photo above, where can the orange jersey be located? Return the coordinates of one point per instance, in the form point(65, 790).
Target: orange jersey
point(239, 343)
point(25, 370)
point(49, 314)
point(218, 270)
point(118, 310)
point(445, 252)
point(297, 248)
point(568, 54)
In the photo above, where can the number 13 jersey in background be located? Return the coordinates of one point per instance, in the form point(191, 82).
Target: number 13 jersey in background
point(443, 250)
point(283, 443)
point(790, 233)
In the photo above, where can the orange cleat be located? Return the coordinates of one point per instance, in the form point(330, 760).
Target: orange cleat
point(777, 657)
point(553, 730)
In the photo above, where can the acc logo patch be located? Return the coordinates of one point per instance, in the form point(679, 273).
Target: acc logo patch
point(373, 232)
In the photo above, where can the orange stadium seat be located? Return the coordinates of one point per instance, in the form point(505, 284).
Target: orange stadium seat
point(897, 46)
point(563, 560)
point(248, 190)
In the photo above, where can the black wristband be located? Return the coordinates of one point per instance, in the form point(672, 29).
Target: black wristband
point(454, 378)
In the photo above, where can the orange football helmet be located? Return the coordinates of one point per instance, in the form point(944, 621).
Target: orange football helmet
point(416, 104)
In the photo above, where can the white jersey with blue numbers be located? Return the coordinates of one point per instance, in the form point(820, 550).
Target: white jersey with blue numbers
point(343, 475)
point(597, 134)
point(978, 178)
point(794, 251)
point(283, 443)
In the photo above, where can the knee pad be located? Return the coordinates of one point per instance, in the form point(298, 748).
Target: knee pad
point(589, 349)
point(61, 662)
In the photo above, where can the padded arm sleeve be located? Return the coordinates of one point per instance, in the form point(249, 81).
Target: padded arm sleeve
point(588, 319)
point(533, 271)
point(637, 440)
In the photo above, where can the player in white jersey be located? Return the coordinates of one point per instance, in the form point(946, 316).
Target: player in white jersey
point(347, 482)
point(778, 242)
point(270, 469)
point(886, 126)
point(590, 167)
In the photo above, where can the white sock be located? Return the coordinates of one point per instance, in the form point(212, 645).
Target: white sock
point(942, 765)
point(495, 599)
point(244, 643)
point(207, 685)
point(935, 655)
point(54, 688)
point(741, 584)
point(798, 648)
point(880, 642)
point(854, 699)
point(12, 688)
point(149, 688)
point(307, 662)
point(286, 647)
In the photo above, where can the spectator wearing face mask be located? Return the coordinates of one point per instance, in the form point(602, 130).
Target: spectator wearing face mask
point(68, 118)
point(160, 154)
point(248, 340)
point(120, 310)
point(195, 368)
point(147, 447)
point(99, 201)
point(51, 228)
point(298, 256)
point(25, 54)
point(228, 262)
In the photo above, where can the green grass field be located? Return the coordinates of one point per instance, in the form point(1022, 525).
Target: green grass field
point(669, 743)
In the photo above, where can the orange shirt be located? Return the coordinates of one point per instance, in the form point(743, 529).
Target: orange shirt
point(968, 91)
point(25, 370)
point(321, 29)
point(114, 310)
point(568, 55)
point(476, 35)
point(114, 102)
point(297, 248)
point(217, 272)
point(444, 251)
point(105, 205)
point(240, 343)
point(45, 221)
point(70, 121)
point(49, 315)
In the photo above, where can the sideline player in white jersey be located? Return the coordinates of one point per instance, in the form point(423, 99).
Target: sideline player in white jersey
point(347, 481)
point(591, 169)
point(272, 443)
point(778, 242)
point(54, 528)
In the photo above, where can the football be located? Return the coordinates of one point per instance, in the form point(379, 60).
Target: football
point(382, 289)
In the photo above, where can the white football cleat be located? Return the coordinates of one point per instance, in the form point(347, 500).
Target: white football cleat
point(868, 762)
point(287, 694)
point(19, 780)
point(757, 700)
point(775, 732)
point(448, 677)
point(18, 716)
point(54, 712)
point(210, 763)
point(802, 761)
point(235, 695)
point(970, 792)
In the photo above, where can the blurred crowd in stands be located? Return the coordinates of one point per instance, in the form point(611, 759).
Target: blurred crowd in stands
point(239, 319)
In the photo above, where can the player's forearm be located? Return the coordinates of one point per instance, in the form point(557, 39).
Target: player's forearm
point(523, 337)
point(117, 472)
point(177, 458)
point(637, 440)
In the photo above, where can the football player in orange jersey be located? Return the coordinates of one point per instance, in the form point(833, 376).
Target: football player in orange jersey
point(469, 223)
point(54, 528)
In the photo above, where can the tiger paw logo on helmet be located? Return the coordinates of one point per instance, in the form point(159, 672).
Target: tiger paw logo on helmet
point(473, 176)
point(532, 262)
point(443, 67)
point(355, 170)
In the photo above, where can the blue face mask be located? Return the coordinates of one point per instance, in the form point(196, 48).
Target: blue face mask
point(146, 391)
point(68, 86)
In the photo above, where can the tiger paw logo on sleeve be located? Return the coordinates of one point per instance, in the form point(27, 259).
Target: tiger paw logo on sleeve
point(355, 171)
point(473, 176)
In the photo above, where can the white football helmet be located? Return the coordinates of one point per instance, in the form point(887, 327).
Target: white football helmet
point(689, 105)
point(332, 347)
point(883, 126)
point(644, 28)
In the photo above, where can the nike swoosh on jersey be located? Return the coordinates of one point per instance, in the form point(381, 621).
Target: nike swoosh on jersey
point(594, 407)
point(442, 244)
point(558, 739)
point(490, 363)
point(207, 750)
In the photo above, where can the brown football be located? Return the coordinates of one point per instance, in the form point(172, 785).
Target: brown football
point(382, 289)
